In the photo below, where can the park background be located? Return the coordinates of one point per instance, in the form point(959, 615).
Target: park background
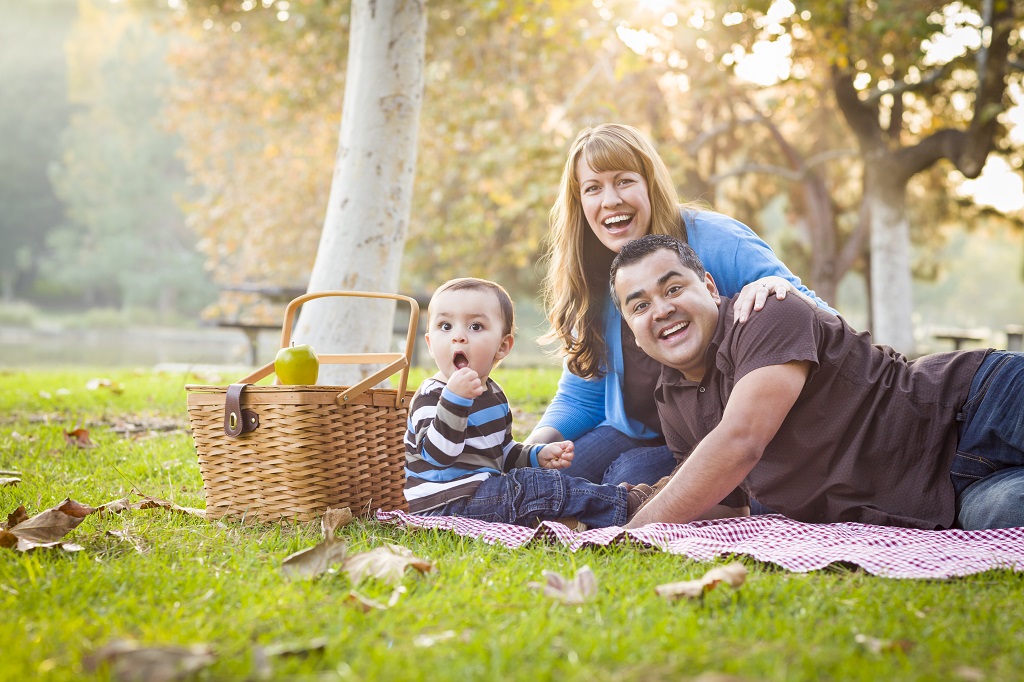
point(158, 156)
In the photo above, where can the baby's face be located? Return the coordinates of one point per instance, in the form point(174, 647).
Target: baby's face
point(467, 330)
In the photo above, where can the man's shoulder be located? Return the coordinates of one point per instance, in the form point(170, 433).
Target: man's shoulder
point(789, 313)
point(782, 331)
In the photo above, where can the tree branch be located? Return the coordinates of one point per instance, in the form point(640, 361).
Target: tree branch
point(862, 117)
point(932, 77)
point(787, 173)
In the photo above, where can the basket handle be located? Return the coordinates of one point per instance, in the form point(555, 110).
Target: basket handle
point(395, 361)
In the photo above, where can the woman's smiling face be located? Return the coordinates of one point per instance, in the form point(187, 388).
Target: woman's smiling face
point(616, 203)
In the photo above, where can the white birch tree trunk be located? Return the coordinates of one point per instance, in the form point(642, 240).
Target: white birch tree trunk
point(892, 295)
point(371, 192)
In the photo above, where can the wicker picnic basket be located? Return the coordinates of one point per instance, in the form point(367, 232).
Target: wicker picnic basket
point(289, 452)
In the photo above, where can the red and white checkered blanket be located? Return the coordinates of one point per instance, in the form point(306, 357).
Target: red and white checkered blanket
point(795, 546)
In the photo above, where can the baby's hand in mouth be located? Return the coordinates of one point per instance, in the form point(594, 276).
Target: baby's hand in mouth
point(465, 383)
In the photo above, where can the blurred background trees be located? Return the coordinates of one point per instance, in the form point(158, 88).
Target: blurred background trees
point(777, 113)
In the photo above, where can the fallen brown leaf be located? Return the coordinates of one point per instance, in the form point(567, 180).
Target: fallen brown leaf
point(28, 546)
point(309, 563)
point(261, 655)
point(733, 575)
point(969, 673)
point(16, 517)
point(78, 438)
point(334, 519)
point(52, 524)
point(365, 604)
point(316, 645)
point(423, 641)
point(132, 662)
point(879, 646)
point(94, 384)
point(386, 563)
point(582, 587)
point(157, 503)
point(115, 506)
point(125, 536)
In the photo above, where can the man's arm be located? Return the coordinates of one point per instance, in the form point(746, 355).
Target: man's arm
point(759, 404)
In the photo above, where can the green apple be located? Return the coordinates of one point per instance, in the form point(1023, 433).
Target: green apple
point(297, 365)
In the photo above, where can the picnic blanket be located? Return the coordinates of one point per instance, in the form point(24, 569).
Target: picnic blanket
point(799, 547)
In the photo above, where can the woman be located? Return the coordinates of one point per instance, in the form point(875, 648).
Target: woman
point(616, 188)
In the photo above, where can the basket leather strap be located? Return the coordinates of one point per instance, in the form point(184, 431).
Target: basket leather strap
point(236, 420)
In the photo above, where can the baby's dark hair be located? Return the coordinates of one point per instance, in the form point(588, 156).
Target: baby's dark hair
point(508, 312)
point(638, 249)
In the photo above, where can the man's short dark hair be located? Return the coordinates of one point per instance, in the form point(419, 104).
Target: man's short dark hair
point(638, 249)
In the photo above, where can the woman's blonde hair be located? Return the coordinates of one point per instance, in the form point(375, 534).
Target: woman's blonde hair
point(576, 283)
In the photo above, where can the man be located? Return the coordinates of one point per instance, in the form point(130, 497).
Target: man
point(805, 415)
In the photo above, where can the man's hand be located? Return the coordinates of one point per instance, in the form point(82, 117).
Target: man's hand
point(556, 455)
point(465, 383)
point(759, 403)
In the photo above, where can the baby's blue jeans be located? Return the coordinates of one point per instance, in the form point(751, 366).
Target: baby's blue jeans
point(527, 495)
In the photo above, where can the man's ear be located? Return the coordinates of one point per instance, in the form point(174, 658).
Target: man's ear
point(505, 347)
point(709, 282)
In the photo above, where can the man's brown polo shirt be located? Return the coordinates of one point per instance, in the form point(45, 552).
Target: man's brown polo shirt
point(871, 437)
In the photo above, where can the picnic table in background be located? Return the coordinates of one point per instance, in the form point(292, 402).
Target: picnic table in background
point(265, 309)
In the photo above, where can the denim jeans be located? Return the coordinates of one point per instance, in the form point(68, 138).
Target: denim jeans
point(988, 469)
point(606, 455)
point(524, 496)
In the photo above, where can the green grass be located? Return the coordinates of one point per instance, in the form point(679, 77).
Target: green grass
point(181, 580)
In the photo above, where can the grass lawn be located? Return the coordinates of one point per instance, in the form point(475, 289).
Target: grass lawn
point(162, 578)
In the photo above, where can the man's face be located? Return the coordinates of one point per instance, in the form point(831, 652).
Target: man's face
point(671, 311)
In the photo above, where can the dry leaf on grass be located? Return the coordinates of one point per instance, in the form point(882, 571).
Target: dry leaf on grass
point(386, 563)
point(126, 536)
point(8, 539)
point(130, 662)
point(576, 591)
point(157, 503)
point(365, 604)
point(47, 528)
point(423, 641)
point(146, 502)
point(78, 438)
point(309, 563)
point(94, 384)
point(733, 575)
point(261, 655)
point(879, 646)
point(115, 506)
point(16, 517)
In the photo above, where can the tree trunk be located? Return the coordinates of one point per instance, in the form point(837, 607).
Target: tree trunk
point(371, 193)
point(892, 299)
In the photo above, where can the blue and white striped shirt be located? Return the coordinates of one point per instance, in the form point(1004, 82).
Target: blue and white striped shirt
point(453, 444)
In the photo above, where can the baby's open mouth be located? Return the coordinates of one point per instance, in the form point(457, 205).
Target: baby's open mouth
point(460, 360)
